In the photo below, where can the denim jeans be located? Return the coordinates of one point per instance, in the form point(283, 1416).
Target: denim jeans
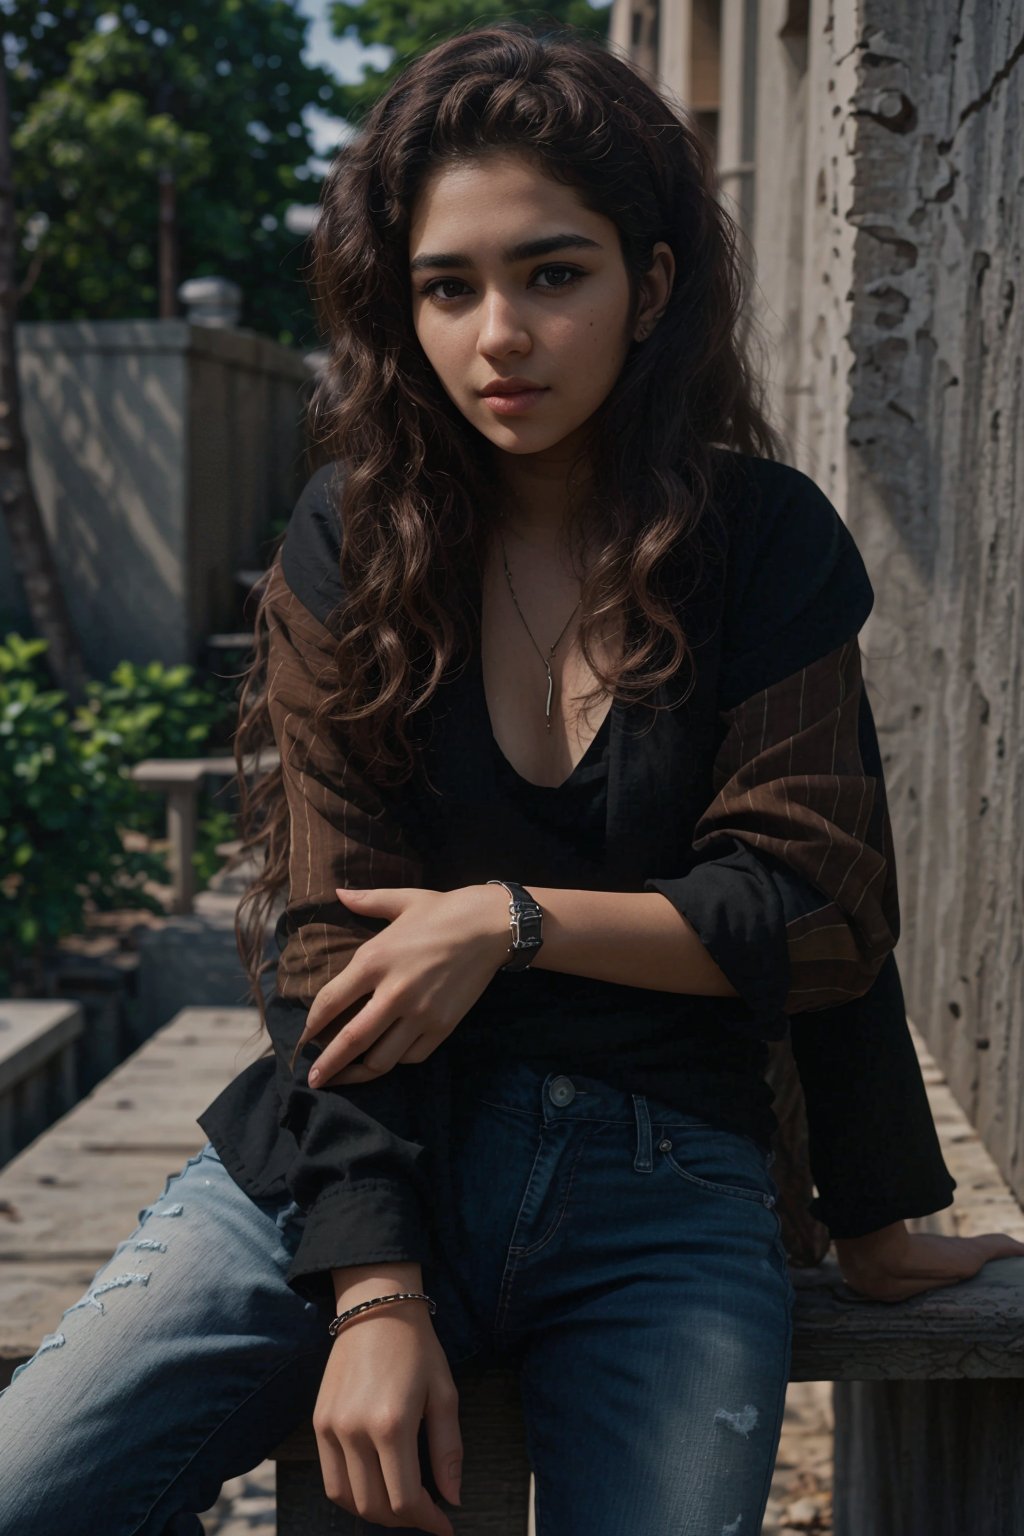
point(625, 1256)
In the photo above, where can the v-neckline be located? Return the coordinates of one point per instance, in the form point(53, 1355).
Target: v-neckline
point(481, 699)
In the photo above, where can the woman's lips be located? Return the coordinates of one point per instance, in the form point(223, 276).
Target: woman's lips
point(515, 404)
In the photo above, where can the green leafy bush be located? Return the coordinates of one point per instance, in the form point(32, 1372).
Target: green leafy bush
point(66, 796)
point(217, 826)
point(155, 711)
point(150, 711)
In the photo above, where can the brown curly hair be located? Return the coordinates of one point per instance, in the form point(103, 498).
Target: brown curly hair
point(419, 482)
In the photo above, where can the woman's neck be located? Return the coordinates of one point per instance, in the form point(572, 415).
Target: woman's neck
point(539, 492)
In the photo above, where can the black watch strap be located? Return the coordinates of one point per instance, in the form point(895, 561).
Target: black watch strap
point(525, 922)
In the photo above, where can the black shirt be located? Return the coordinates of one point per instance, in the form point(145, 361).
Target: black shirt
point(754, 803)
point(487, 817)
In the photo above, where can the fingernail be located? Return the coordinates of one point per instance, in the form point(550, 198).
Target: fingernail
point(314, 1074)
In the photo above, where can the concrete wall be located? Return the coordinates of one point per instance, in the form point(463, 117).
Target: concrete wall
point(886, 211)
point(160, 452)
point(887, 222)
point(935, 431)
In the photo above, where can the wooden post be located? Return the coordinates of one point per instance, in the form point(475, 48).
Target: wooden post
point(929, 1458)
point(181, 834)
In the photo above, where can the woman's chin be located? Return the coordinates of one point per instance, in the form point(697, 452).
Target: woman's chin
point(525, 437)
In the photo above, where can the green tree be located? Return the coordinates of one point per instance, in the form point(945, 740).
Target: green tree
point(109, 96)
point(409, 27)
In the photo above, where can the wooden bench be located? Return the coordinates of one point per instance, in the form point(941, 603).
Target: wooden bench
point(38, 1068)
point(181, 779)
point(119, 1144)
point(929, 1393)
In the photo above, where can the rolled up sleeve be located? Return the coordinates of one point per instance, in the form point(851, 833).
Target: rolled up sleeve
point(360, 1172)
point(791, 884)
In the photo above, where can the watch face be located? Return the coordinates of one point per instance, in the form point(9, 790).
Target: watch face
point(526, 930)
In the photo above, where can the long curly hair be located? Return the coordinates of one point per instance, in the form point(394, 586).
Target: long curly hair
point(417, 497)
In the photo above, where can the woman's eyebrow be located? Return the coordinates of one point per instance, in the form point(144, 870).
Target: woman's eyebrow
point(522, 252)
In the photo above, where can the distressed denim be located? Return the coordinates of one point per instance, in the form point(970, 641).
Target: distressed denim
point(625, 1256)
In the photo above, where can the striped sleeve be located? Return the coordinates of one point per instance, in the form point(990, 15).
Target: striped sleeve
point(792, 784)
point(361, 1170)
point(342, 833)
point(791, 882)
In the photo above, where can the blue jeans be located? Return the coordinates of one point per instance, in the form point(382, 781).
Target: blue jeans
point(626, 1256)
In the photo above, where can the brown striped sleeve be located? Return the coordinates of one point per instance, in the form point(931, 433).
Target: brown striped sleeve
point(792, 785)
point(341, 831)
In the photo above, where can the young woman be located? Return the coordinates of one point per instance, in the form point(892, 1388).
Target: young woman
point(580, 805)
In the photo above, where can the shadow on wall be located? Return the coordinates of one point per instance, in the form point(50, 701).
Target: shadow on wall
point(161, 452)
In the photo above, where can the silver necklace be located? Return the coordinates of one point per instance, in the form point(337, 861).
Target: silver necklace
point(545, 659)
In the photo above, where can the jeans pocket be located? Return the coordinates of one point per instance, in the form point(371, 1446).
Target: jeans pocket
point(720, 1162)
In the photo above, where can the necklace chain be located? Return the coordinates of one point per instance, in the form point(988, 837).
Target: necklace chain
point(545, 659)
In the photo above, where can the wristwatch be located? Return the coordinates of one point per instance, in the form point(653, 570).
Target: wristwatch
point(525, 918)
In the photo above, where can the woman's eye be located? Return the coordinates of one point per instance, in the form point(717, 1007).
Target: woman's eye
point(564, 277)
point(445, 290)
point(433, 290)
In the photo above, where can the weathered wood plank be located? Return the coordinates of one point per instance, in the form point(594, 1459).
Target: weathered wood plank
point(973, 1329)
point(71, 1197)
point(39, 1042)
point(984, 1202)
point(31, 1034)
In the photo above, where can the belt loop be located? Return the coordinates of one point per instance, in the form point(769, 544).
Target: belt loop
point(643, 1162)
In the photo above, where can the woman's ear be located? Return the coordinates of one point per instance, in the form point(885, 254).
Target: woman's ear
point(655, 289)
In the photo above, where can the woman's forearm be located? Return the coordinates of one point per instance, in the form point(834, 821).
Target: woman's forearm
point(423, 972)
point(361, 1282)
point(633, 938)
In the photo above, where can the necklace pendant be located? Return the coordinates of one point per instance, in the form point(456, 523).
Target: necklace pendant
point(547, 706)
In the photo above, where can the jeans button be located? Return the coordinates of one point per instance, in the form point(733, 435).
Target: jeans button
point(665, 1146)
point(562, 1091)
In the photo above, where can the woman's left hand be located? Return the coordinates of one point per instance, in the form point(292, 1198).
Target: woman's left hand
point(892, 1263)
point(420, 976)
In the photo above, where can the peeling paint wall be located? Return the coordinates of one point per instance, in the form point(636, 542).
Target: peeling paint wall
point(888, 231)
point(935, 432)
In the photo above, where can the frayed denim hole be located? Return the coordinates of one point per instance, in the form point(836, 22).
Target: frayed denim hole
point(287, 1214)
point(51, 1341)
point(172, 1178)
point(92, 1297)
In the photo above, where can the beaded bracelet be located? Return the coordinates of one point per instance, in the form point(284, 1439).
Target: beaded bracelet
point(377, 1301)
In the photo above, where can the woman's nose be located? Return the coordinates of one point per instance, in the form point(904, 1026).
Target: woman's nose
point(501, 328)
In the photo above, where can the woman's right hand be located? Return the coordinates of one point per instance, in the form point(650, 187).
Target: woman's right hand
point(891, 1263)
point(386, 1372)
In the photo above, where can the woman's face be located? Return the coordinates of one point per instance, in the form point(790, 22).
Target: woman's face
point(520, 300)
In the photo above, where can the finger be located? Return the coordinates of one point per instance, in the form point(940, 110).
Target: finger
point(977, 1251)
point(1000, 1245)
point(357, 1037)
point(334, 997)
point(409, 1500)
point(890, 1289)
point(363, 1072)
point(445, 1440)
point(369, 1492)
point(337, 1484)
point(393, 1047)
point(965, 1256)
point(387, 902)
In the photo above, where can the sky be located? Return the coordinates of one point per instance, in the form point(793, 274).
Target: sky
point(343, 56)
